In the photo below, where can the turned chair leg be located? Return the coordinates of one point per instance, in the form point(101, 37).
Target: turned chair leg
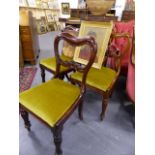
point(61, 76)
point(25, 117)
point(80, 110)
point(104, 107)
point(42, 74)
point(57, 134)
point(67, 77)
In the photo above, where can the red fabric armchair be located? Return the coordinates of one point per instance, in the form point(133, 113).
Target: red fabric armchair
point(121, 43)
point(130, 83)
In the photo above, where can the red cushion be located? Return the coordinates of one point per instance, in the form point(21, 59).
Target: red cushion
point(130, 84)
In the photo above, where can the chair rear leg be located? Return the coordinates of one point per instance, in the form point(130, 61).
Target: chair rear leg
point(104, 106)
point(80, 110)
point(57, 134)
point(25, 116)
point(61, 76)
point(42, 74)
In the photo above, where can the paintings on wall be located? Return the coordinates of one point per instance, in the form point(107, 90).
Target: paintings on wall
point(41, 25)
point(65, 8)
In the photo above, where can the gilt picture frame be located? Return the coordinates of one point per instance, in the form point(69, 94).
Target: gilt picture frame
point(65, 8)
point(101, 31)
point(49, 16)
point(41, 25)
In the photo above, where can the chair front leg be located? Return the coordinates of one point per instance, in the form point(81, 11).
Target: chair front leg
point(25, 117)
point(42, 73)
point(105, 100)
point(57, 134)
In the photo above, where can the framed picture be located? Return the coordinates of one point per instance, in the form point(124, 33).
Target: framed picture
point(41, 25)
point(101, 31)
point(49, 16)
point(65, 8)
point(45, 5)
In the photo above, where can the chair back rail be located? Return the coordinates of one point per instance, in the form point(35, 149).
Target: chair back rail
point(75, 41)
point(70, 27)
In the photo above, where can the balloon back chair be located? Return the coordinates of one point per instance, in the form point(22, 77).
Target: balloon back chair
point(54, 101)
point(103, 80)
point(120, 43)
point(49, 64)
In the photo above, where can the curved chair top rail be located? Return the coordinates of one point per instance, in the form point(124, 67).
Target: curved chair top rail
point(70, 27)
point(75, 41)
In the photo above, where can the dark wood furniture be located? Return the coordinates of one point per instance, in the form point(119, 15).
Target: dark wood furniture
point(128, 15)
point(29, 41)
point(76, 22)
point(84, 14)
point(44, 105)
point(80, 13)
point(100, 18)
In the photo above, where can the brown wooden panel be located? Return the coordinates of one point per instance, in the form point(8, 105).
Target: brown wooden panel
point(26, 38)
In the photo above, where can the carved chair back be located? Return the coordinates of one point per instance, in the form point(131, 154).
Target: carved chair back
point(75, 41)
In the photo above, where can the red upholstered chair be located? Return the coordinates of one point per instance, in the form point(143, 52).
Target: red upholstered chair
point(130, 83)
point(120, 43)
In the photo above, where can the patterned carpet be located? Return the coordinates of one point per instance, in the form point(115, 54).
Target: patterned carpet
point(26, 77)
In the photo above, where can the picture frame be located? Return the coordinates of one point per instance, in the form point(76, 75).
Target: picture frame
point(41, 25)
point(101, 31)
point(65, 8)
point(49, 16)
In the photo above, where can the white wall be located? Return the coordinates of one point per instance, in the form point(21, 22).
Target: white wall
point(119, 7)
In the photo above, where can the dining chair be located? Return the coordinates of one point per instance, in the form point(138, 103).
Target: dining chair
point(103, 80)
point(49, 64)
point(54, 101)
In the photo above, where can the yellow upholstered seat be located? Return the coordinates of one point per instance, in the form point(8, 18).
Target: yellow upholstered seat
point(50, 63)
point(50, 100)
point(98, 78)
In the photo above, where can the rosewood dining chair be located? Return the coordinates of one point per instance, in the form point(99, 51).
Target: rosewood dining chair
point(49, 64)
point(54, 101)
point(103, 80)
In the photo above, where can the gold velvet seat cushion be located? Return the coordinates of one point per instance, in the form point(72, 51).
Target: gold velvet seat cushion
point(50, 63)
point(98, 78)
point(49, 101)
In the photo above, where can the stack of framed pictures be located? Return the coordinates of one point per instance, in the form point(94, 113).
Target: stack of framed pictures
point(51, 23)
point(41, 25)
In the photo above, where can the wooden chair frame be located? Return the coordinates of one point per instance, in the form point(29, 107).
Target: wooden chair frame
point(117, 55)
point(63, 73)
point(57, 129)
